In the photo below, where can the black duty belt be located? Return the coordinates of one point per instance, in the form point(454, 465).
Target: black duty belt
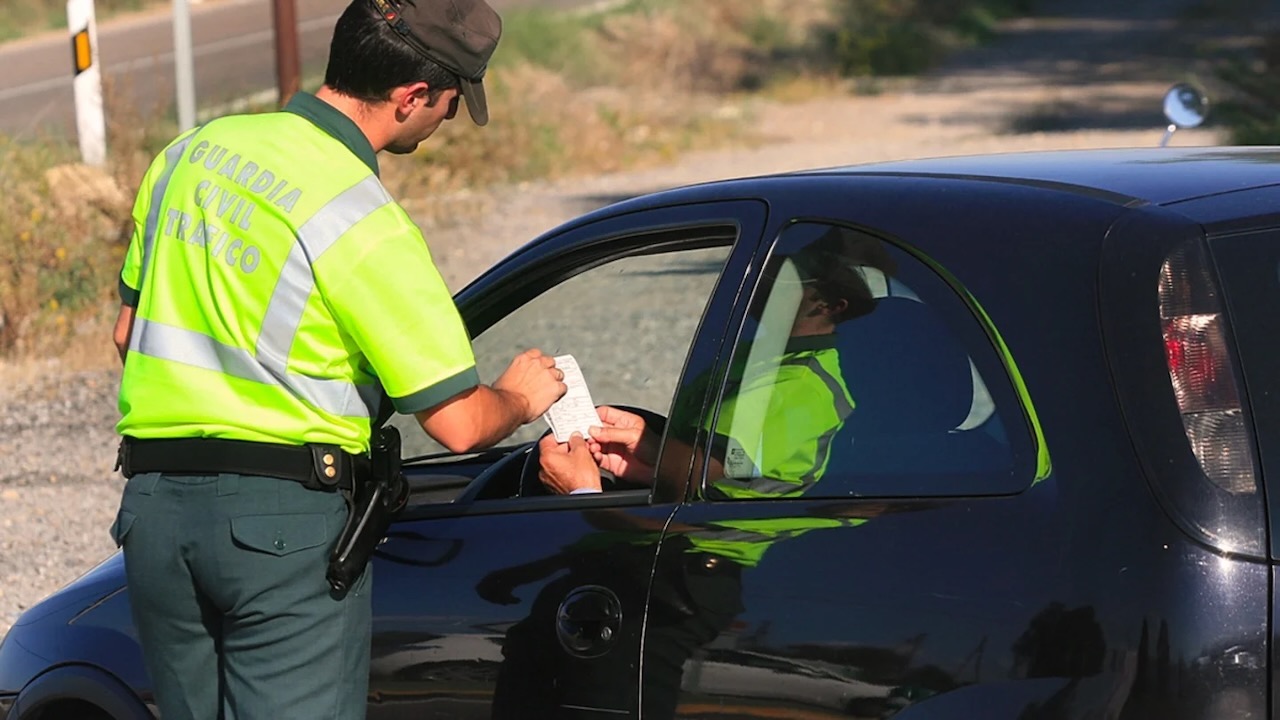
point(319, 467)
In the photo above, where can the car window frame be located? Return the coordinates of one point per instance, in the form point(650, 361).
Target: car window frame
point(1010, 377)
point(1258, 400)
point(563, 254)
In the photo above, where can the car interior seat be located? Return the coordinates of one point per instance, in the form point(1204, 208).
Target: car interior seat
point(919, 415)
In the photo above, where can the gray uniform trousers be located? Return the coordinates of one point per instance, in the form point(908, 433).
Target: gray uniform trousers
point(236, 620)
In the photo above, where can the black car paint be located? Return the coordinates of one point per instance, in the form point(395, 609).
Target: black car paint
point(1256, 333)
point(520, 588)
point(1078, 597)
point(1069, 545)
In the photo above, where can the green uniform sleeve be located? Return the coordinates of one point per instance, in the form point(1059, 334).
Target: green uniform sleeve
point(129, 273)
point(400, 313)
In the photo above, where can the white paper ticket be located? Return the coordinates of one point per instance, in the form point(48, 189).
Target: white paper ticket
point(574, 412)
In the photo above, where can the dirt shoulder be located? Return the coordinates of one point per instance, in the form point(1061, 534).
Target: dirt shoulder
point(1078, 77)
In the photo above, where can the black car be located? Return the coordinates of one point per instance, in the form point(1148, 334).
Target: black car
point(1047, 498)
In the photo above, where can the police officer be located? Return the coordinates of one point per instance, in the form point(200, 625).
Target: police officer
point(272, 291)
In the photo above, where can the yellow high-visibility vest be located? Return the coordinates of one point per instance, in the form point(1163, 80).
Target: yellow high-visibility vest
point(777, 423)
point(277, 288)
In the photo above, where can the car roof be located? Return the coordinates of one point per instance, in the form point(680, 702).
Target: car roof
point(1129, 177)
point(1159, 176)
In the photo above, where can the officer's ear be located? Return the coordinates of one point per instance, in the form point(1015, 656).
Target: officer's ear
point(407, 97)
point(835, 309)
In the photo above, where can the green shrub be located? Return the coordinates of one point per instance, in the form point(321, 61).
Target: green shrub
point(1253, 112)
point(902, 37)
point(19, 17)
point(555, 41)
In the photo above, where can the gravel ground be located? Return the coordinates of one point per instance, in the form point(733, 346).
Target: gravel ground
point(1094, 72)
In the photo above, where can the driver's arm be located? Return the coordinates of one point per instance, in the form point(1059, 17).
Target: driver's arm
point(567, 468)
point(623, 444)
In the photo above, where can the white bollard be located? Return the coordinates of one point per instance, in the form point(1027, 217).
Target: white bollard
point(184, 65)
point(91, 123)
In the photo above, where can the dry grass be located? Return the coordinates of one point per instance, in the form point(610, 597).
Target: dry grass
point(570, 94)
point(661, 72)
point(21, 17)
point(60, 251)
point(542, 129)
point(1242, 59)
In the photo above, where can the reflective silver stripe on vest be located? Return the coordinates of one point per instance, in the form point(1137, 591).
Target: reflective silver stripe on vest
point(766, 486)
point(722, 533)
point(843, 410)
point(295, 284)
point(269, 362)
point(171, 158)
point(297, 280)
point(188, 347)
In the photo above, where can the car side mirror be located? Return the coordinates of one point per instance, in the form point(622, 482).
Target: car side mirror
point(1185, 106)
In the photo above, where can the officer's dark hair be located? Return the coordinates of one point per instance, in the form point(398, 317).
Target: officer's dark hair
point(367, 59)
point(836, 264)
point(852, 289)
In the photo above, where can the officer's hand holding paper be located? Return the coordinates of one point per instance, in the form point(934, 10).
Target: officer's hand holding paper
point(574, 412)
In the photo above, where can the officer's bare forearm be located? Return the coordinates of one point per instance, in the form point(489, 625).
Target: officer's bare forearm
point(476, 419)
point(123, 329)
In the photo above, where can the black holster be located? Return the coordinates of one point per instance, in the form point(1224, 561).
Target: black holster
point(375, 499)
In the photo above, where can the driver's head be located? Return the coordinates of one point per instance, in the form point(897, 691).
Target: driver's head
point(844, 264)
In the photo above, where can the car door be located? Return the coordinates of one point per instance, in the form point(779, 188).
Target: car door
point(857, 476)
point(492, 599)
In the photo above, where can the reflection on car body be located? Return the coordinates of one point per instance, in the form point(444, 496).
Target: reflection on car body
point(1048, 499)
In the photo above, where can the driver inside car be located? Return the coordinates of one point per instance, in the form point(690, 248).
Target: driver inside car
point(785, 399)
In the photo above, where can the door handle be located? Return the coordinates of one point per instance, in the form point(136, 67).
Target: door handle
point(588, 621)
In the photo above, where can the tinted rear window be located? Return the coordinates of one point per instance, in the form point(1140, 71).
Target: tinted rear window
point(1249, 268)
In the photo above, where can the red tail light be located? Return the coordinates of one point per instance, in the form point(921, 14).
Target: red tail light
point(1201, 371)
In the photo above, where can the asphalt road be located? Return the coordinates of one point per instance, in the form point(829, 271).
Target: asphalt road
point(234, 57)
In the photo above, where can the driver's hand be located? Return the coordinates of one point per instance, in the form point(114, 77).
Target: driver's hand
point(622, 445)
point(564, 468)
point(534, 377)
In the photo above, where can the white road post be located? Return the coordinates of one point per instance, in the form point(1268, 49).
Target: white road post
point(91, 123)
point(183, 65)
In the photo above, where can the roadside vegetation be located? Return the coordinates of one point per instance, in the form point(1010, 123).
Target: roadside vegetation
point(570, 93)
point(1243, 67)
point(23, 17)
point(1253, 110)
point(903, 37)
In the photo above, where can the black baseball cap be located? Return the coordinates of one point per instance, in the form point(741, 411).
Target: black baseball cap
point(460, 35)
point(837, 262)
